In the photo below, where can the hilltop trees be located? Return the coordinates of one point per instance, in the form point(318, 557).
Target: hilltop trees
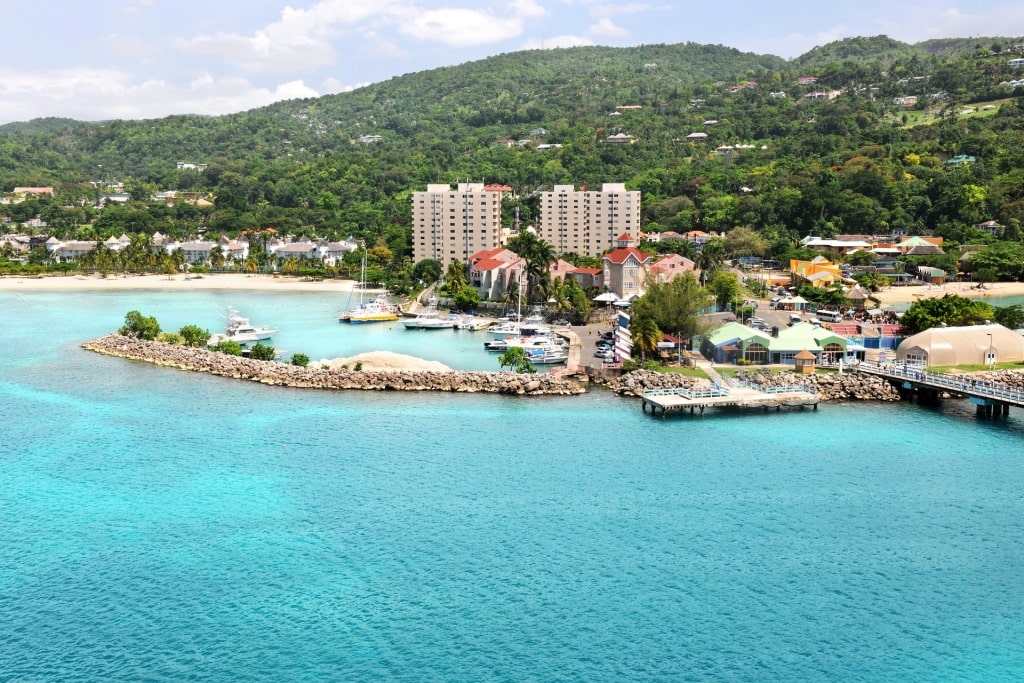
point(855, 163)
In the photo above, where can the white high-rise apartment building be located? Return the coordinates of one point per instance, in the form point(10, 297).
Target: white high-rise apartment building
point(451, 225)
point(588, 222)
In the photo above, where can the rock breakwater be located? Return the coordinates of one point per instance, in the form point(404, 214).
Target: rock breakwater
point(1013, 379)
point(848, 386)
point(280, 374)
point(833, 386)
point(634, 383)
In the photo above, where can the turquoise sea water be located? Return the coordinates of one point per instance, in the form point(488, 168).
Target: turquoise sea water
point(165, 526)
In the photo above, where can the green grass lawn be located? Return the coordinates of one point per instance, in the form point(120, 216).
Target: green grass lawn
point(976, 367)
point(685, 371)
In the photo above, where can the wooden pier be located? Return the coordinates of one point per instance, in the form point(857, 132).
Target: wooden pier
point(741, 395)
point(989, 398)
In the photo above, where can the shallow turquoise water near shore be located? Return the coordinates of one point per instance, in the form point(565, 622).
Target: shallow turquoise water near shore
point(162, 525)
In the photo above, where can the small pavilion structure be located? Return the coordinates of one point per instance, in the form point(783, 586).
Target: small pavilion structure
point(804, 362)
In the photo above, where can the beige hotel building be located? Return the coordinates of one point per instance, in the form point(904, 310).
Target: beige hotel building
point(588, 222)
point(452, 224)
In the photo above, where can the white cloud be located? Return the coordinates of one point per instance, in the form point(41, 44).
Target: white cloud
point(923, 23)
point(460, 27)
point(607, 27)
point(528, 8)
point(300, 38)
point(95, 94)
point(556, 41)
point(333, 86)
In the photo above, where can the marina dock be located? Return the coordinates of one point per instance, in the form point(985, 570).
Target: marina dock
point(741, 395)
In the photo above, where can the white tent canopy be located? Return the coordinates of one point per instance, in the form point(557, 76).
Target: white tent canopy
point(607, 297)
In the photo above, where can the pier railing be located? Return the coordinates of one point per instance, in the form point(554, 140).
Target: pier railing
point(918, 372)
point(782, 389)
point(716, 391)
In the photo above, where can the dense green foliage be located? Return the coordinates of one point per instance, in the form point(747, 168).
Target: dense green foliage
point(950, 310)
point(674, 307)
point(194, 335)
point(228, 347)
point(856, 163)
point(141, 326)
point(261, 351)
point(300, 360)
point(515, 359)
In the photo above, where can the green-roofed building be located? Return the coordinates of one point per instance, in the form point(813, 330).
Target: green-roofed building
point(735, 342)
point(826, 345)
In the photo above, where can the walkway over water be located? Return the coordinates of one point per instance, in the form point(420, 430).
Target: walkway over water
point(989, 397)
point(740, 394)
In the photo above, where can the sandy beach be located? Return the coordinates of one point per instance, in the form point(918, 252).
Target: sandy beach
point(226, 281)
point(284, 283)
point(903, 295)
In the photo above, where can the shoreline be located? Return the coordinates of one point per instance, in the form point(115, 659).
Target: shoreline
point(205, 282)
point(910, 294)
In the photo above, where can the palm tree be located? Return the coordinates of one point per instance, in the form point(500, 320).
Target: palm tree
point(217, 258)
point(538, 255)
point(645, 334)
point(455, 277)
point(710, 259)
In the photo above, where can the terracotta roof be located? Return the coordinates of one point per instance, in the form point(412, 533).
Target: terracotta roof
point(621, 254)
point(624, 237)
point(804, 355)
point(589, 271)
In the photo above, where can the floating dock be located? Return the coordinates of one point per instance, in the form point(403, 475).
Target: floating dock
point(720, 396)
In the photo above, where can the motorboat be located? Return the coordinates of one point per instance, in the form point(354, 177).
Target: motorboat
point(431, 319)
point(547, 356)
point(240, 330)
point(473, 323)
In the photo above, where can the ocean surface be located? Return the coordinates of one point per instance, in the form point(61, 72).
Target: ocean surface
point(157, 525)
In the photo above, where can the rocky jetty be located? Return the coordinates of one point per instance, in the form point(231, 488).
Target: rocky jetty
point(317, 377)
point(1013, 379)
point(846, 386)
point(634, 383)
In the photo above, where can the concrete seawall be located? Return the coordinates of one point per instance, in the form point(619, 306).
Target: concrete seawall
point(280, 374)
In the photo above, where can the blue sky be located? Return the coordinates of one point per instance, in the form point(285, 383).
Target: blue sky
point(139, 59)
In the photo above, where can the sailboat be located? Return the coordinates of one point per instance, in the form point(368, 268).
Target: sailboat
point(378, 310)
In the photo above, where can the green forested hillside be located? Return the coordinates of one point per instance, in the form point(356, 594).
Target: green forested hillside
point(849, 161)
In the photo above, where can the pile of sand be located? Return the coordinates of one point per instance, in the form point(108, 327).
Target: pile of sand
point(383, 361)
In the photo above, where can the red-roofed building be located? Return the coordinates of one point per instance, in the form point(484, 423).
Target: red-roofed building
point(493, 271)
point(667, 267)
point(560, 269)
point(497, 188)
point(625, 268)
point(589, 277)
